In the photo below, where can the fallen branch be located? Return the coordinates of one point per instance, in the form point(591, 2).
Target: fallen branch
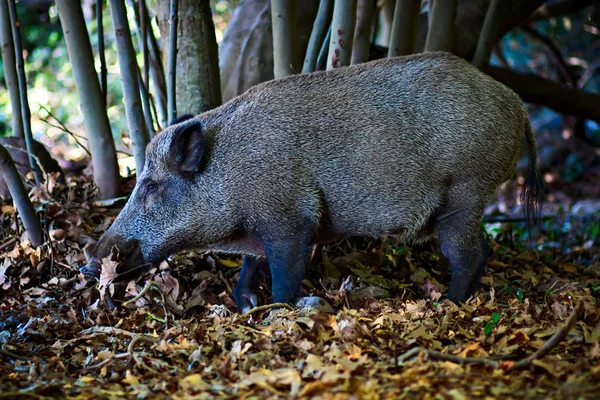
point(558, 336)
point(545, 92)
point(554, 340)
point(267, 307)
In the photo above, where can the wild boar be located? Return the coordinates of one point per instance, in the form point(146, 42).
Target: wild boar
point(408, 146)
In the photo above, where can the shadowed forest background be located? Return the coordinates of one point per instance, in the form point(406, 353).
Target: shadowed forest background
point(96, 98)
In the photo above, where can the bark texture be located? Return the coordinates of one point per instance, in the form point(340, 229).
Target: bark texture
point(362, 34)
point(91, 100)
point(10, 69)
point(138, 131)
point(198, 86)
point(404, 28)
point(342, 33)
point(440, 36)
point(21, 199)
point(489, 34)
point(283, 19)
point(246, 51)
point(322, 22)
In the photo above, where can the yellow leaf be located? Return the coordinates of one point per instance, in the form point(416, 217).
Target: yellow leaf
point(131, 379)
point(8, 210)
point(229, 263)
point(193, 382)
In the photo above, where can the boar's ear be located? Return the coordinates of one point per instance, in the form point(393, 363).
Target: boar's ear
point(190, 148)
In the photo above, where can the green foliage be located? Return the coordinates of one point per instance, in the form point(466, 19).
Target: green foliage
point(489, 326)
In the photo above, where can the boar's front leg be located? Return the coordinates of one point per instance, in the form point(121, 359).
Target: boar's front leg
point(287, 257)
point(459, 234)
point(245, 292)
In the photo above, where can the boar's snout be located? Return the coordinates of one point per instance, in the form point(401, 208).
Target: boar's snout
point(125, 252)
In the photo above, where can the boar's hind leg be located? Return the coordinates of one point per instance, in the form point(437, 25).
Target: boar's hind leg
point(245, 292)
point(459, 234)
point(287, 260)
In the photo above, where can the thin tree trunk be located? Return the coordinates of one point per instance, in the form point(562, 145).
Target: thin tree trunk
point(172, 64)
point(10, 69)
point(101, 51)
point(429, 11)
point(91, 100)
point(25, 112)
point(489, 34)
point(342, 33)
point(321, 60)
point(283, 17)
point(208, 54)
point(145, 96)
point(404, 28)
point(20, 198)
point(362, 34)
point(319, 31)
point(386, 17)
point(141, 33)
point(440, 36)
point(157, 72)
point(129, 80)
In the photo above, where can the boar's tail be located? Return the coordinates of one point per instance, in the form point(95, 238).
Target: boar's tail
point(532, 192)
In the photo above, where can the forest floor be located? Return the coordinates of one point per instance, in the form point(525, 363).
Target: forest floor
point(533, 330)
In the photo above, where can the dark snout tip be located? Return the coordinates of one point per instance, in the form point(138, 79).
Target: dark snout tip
point(90, 270)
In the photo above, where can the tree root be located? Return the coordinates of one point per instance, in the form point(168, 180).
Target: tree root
point(554, 340)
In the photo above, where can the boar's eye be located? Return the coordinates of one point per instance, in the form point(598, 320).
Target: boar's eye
point(151, 187)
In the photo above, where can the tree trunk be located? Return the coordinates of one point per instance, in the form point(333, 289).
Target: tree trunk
point(25, 112)
point(283, 19)
point(198, 86)
point(386, 19)
point(362, 34)
point(404, 28)
point(172, 60)
point(91, 100)
point(317, 35)
point(129, 81)
point(10, 69)
point(20, 198)
point(440, 36)
point(489, 34)
point(342, 33)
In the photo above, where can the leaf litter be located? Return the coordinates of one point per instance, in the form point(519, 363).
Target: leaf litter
point(533, 330)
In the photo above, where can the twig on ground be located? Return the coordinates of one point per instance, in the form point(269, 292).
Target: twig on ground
point(8, 243)
point(10, 354)
point(107, 361)
point(140, 337)
point(104, 330)
point(437, 355)
point(554, 340)
point(156, 286)
point(267, 307)
point(224, 279)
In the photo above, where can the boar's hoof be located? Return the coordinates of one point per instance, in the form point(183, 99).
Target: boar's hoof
point(319, 304)
point(246, 302)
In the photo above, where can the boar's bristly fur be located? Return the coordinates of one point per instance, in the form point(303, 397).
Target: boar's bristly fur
point(406, 146)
